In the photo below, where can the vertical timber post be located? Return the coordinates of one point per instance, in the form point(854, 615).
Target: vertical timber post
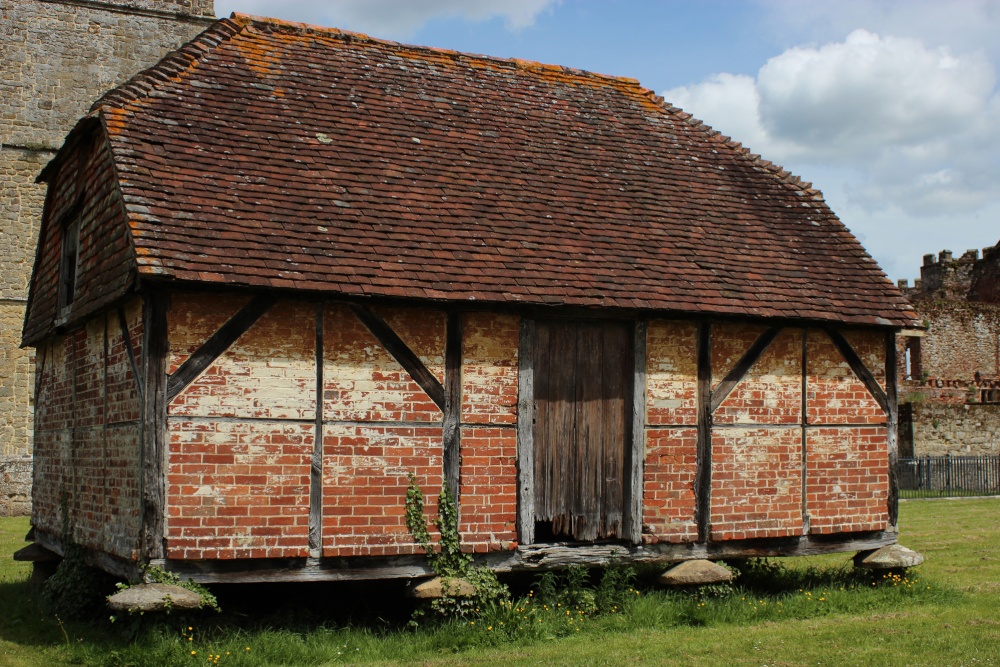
point(636, 455)
point(154, 421)
point(525, 433)
point(452, 426)
point(104, 436)
point(703, 476)
point(892, 425)
point(316, 462)
point(805, 429)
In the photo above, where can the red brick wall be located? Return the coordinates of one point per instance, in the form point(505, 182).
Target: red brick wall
point(847, 479)
point(757, 457)
point(756, 483)
point(668, 504)
point(241, 435)
point(835, 394)
point(87, 430)
point(389, 429)
point(362, 380)
point(238, 490)
point(268, 373)
point(240, 487)
point(366, 469)
point(489, 435)
point(771, 391)
point(847, 472)
point(668, 501)
point(104, 269)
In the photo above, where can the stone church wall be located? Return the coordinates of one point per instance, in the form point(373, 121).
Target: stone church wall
point(59, 56)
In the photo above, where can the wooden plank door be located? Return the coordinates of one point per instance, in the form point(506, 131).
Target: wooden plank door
point(583, 395)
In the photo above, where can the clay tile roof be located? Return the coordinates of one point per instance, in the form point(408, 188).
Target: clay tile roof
point(275, 154)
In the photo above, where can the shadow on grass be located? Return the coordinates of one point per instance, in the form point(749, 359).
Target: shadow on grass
point(23, 620)
point(312, 623)
point(378, 605)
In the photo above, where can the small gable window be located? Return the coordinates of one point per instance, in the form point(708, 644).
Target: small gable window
point(68, 261)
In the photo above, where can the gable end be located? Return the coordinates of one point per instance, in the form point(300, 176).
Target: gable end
point(71, 282)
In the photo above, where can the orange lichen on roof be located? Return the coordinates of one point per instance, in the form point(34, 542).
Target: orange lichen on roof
point(114, 119)
point(298, 27)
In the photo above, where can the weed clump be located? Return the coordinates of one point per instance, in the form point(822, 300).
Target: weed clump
point(449, 561)
point(76, 590)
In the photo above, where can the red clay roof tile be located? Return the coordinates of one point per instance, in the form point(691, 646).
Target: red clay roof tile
point(266, 152)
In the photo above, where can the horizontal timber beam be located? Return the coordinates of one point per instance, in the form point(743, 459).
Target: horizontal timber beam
point(524, 559)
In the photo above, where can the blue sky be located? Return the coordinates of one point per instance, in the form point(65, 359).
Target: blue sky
point(890, 107)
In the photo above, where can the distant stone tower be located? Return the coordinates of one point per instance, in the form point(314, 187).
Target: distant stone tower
point(56, 58)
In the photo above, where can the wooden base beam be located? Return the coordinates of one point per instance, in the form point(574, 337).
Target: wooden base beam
point(119, 567)
point(526, 558)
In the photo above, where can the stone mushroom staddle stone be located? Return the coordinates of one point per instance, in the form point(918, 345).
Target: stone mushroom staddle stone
point(153, 597)
point(890, 557)
point(435, 588)
point(695, 573)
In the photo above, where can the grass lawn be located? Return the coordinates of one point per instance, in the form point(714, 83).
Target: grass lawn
point(816, 613)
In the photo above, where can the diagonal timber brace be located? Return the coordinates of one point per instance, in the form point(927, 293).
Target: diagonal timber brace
point(395, 346)
point(215, 346)
point(742, 366)
point(859, 368)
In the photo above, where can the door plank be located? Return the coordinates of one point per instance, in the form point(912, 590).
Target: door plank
point(582, 383)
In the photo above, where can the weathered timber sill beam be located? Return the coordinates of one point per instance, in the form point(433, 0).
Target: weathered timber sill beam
point(120, 567)
point(859, 368)
point(217, 344)
point(525, 558)
point(406, 358)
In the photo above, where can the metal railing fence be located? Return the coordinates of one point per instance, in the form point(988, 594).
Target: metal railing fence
point(944, 476)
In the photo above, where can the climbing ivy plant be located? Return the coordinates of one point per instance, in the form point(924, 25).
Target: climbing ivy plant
point(447, 559)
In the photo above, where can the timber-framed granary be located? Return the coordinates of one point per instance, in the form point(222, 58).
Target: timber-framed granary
point(290, 267)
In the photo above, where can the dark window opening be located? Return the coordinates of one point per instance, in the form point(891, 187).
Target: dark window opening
point(68, 261)
point(913, 370)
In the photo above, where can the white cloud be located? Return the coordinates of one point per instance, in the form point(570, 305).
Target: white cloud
point(918, 126)
point(397, 19)
point(969, 24)
point(903, 138)
point(864, 94)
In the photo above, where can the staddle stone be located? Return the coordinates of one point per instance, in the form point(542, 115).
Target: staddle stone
point(695, 573)
point(435, 588)
point(154, 597)
point(890, 557)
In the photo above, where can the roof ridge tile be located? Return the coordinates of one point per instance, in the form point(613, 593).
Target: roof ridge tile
point(250, 20)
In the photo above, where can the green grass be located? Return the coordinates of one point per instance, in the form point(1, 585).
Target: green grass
point(813, 611)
